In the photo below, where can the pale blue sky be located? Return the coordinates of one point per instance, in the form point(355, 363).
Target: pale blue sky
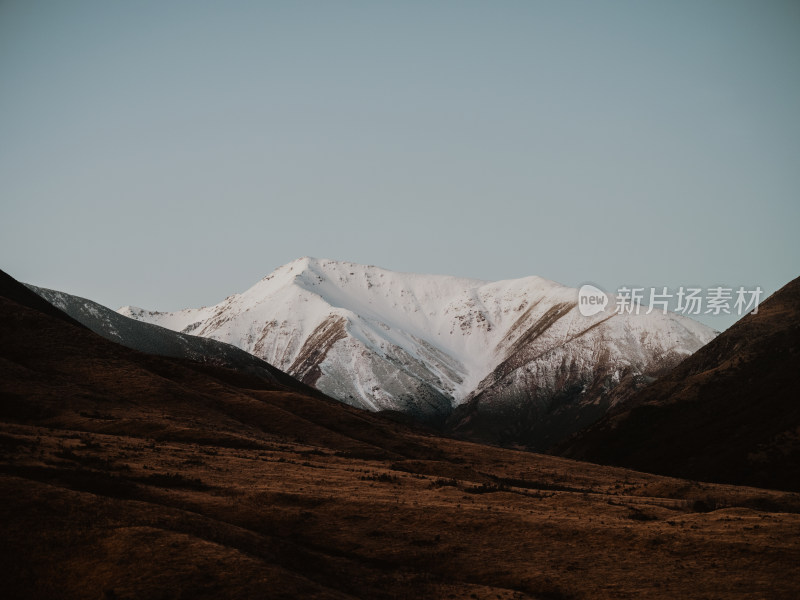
point(167, 154)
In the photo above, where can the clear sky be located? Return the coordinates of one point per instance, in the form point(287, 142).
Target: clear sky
point(167, 154)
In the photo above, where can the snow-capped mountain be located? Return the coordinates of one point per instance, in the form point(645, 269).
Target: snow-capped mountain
point(424, 344)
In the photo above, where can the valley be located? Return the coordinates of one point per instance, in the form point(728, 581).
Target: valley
point(126, 475)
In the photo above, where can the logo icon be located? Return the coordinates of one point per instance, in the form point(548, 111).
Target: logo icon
point(591, 300)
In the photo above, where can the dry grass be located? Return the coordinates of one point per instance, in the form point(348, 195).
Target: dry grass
point(91, 516)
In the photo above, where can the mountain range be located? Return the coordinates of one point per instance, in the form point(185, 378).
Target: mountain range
point(511, 361)
point(125, 474)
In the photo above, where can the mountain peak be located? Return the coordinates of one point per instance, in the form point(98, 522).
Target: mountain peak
point(381, 339)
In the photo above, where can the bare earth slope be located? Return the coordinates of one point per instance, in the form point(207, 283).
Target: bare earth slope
point(730, 412)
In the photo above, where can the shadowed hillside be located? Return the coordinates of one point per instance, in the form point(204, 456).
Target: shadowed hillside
point(729, 413)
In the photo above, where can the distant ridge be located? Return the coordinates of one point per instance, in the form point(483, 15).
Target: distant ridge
point(152, 339)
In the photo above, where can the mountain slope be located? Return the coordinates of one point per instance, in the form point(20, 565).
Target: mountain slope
point(424, 344)
point(152, 339)
point(563, 374)
point(730, 412)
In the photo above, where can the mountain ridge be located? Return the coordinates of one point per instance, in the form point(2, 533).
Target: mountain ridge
point(426, 344)
point(152, 339)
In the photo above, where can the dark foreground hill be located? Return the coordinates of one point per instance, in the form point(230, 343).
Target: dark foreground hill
point(124, 475)
point(729, 413)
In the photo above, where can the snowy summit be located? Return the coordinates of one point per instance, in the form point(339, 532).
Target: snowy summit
point(379, 339)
